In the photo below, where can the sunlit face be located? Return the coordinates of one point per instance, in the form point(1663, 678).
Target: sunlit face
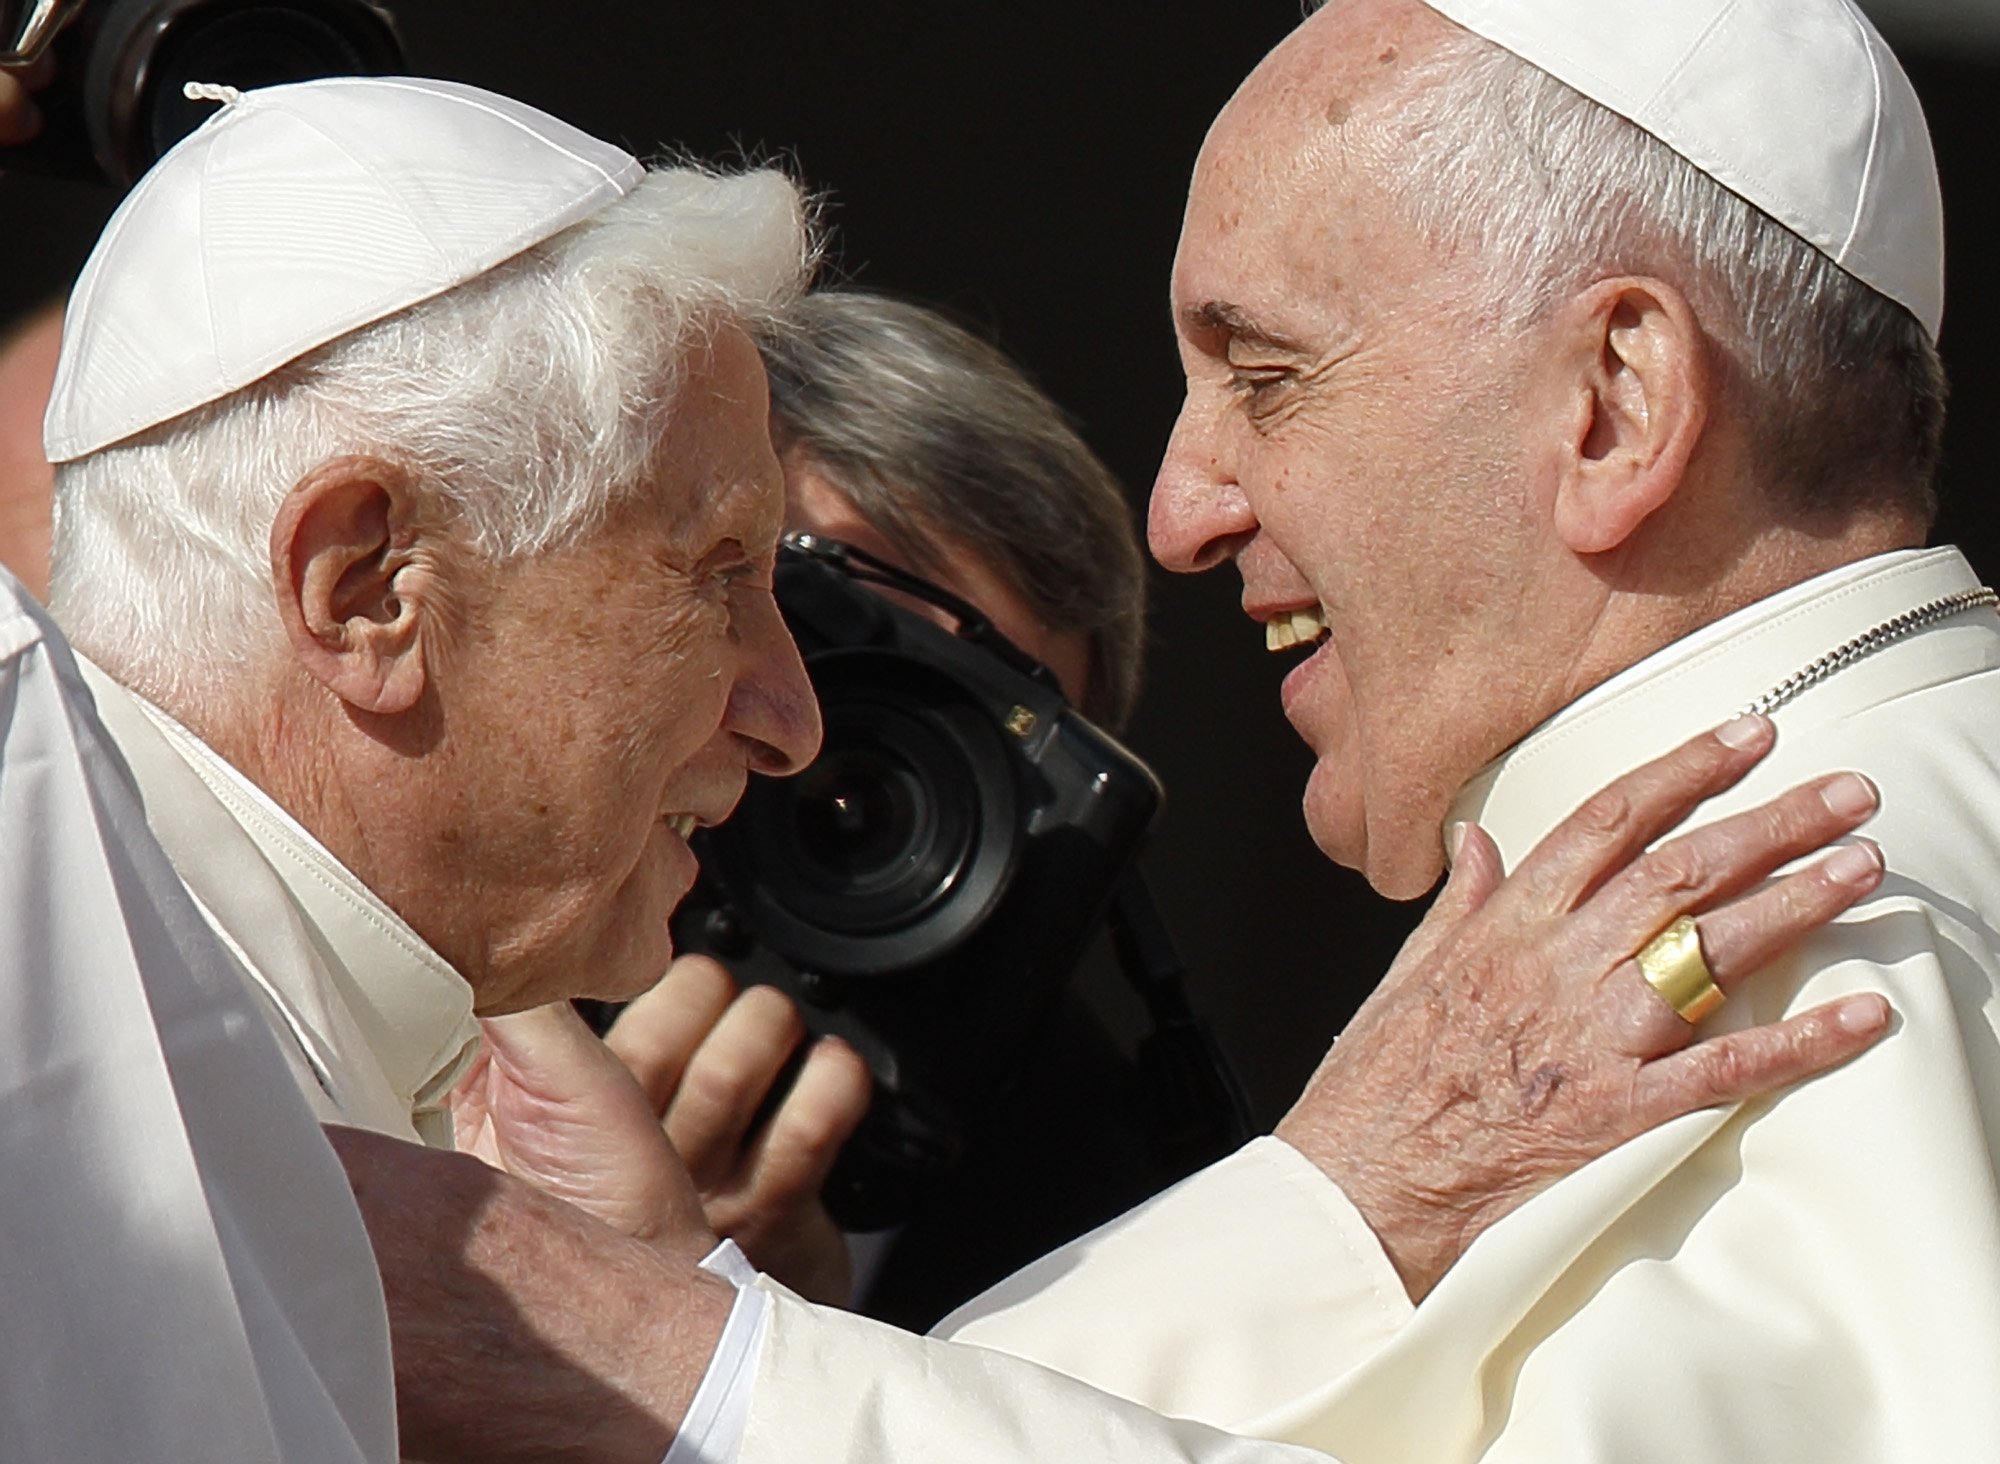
point(607, 698)
point(813, 504)
point(1350, 438)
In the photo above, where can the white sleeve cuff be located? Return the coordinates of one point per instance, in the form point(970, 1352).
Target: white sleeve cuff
point(712, 1433)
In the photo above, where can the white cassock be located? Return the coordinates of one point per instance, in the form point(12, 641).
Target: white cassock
point(186, 1275)
point(375, 1024)
point(1809, 1279)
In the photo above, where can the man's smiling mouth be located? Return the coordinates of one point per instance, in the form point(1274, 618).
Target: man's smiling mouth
point(1295, 628)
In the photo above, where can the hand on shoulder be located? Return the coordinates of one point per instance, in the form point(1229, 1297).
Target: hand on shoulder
point(1515, 1038)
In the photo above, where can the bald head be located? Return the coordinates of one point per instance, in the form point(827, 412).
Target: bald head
point(1336, 81)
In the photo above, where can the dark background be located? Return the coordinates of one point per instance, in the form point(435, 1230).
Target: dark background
point(1026, 163)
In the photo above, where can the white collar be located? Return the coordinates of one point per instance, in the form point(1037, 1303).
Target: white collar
point(1704, 679)
point(411, 1009)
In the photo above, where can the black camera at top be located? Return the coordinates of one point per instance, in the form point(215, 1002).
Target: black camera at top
point(927, 886)
point(116, 103)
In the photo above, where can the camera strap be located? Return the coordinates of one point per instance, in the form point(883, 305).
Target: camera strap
point(1195, 1103)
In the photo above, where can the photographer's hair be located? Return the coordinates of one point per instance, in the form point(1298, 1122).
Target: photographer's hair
point(934, 435)
point(525, 403)
point(1843, 388)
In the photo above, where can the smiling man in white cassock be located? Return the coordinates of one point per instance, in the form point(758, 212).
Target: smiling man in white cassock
point(1565, 368)
point(1568, 366)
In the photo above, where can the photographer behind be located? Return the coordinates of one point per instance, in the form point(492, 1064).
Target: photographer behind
point(911, 440)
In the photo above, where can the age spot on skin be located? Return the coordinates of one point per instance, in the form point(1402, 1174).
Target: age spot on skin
point(1541, 1087)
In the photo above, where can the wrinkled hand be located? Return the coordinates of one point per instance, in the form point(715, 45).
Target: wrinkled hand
point(707, 1059)
point(1514, 1038)
point(546, 1102)
point(523, 1329)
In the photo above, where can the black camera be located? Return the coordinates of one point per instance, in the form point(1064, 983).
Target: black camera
point(926, 887)
point(116, 102)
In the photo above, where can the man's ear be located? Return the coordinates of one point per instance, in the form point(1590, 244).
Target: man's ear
point(1642, 385)
point(355, 583)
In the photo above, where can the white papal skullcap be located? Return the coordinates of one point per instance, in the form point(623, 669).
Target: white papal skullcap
point(295, 215)
point(1797, 106)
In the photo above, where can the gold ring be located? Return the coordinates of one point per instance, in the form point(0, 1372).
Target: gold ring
point(1672, 964)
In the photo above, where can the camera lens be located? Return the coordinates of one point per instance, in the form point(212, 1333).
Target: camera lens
point(899, 838)
point(861, 815)
point(878, 830)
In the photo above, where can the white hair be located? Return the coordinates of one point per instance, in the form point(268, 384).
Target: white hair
point(1511, 166)
point(528, 402)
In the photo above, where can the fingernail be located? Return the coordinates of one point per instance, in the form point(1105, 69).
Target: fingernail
point(1855, 863)
point(1454, 839)
point(1744, 733)
point(1850, 795)
point(1859, 1015)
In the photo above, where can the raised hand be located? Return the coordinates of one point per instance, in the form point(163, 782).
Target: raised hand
point(1515, 1037)
point(546, 1102)
point(708, 1059)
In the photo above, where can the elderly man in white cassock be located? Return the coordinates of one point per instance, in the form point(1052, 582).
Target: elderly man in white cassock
point(1563, 371)
point(414, 510)
point(416, 513)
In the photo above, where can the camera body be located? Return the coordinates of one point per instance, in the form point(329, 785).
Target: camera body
point(116, 105)
point(926, 887)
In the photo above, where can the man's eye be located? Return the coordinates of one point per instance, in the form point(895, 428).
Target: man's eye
point(1258, 384)
point(726, 568)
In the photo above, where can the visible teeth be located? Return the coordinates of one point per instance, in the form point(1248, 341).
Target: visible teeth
point(1300, 628)
point(681, 823)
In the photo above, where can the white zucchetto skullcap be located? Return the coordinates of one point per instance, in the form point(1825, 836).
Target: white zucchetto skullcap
point(1797, 106)
point(295, 215)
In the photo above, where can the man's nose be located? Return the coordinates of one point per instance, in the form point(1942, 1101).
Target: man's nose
point(1198, 517)
point(772, 710)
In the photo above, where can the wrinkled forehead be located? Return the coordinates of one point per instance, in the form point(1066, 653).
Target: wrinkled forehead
point(720, 472)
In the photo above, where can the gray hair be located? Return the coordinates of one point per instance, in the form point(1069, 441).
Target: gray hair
point(527, 403)
point(1845, 392)
point(935, 435)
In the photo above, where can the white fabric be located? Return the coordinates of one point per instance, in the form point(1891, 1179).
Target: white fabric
point(1343, 1298)
point(1806, 1280)
point(1345, 1301)
point(296, 215)
point(1795, 105)
point(712, 1432)
point(186, 1275)
point(376, 1025)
